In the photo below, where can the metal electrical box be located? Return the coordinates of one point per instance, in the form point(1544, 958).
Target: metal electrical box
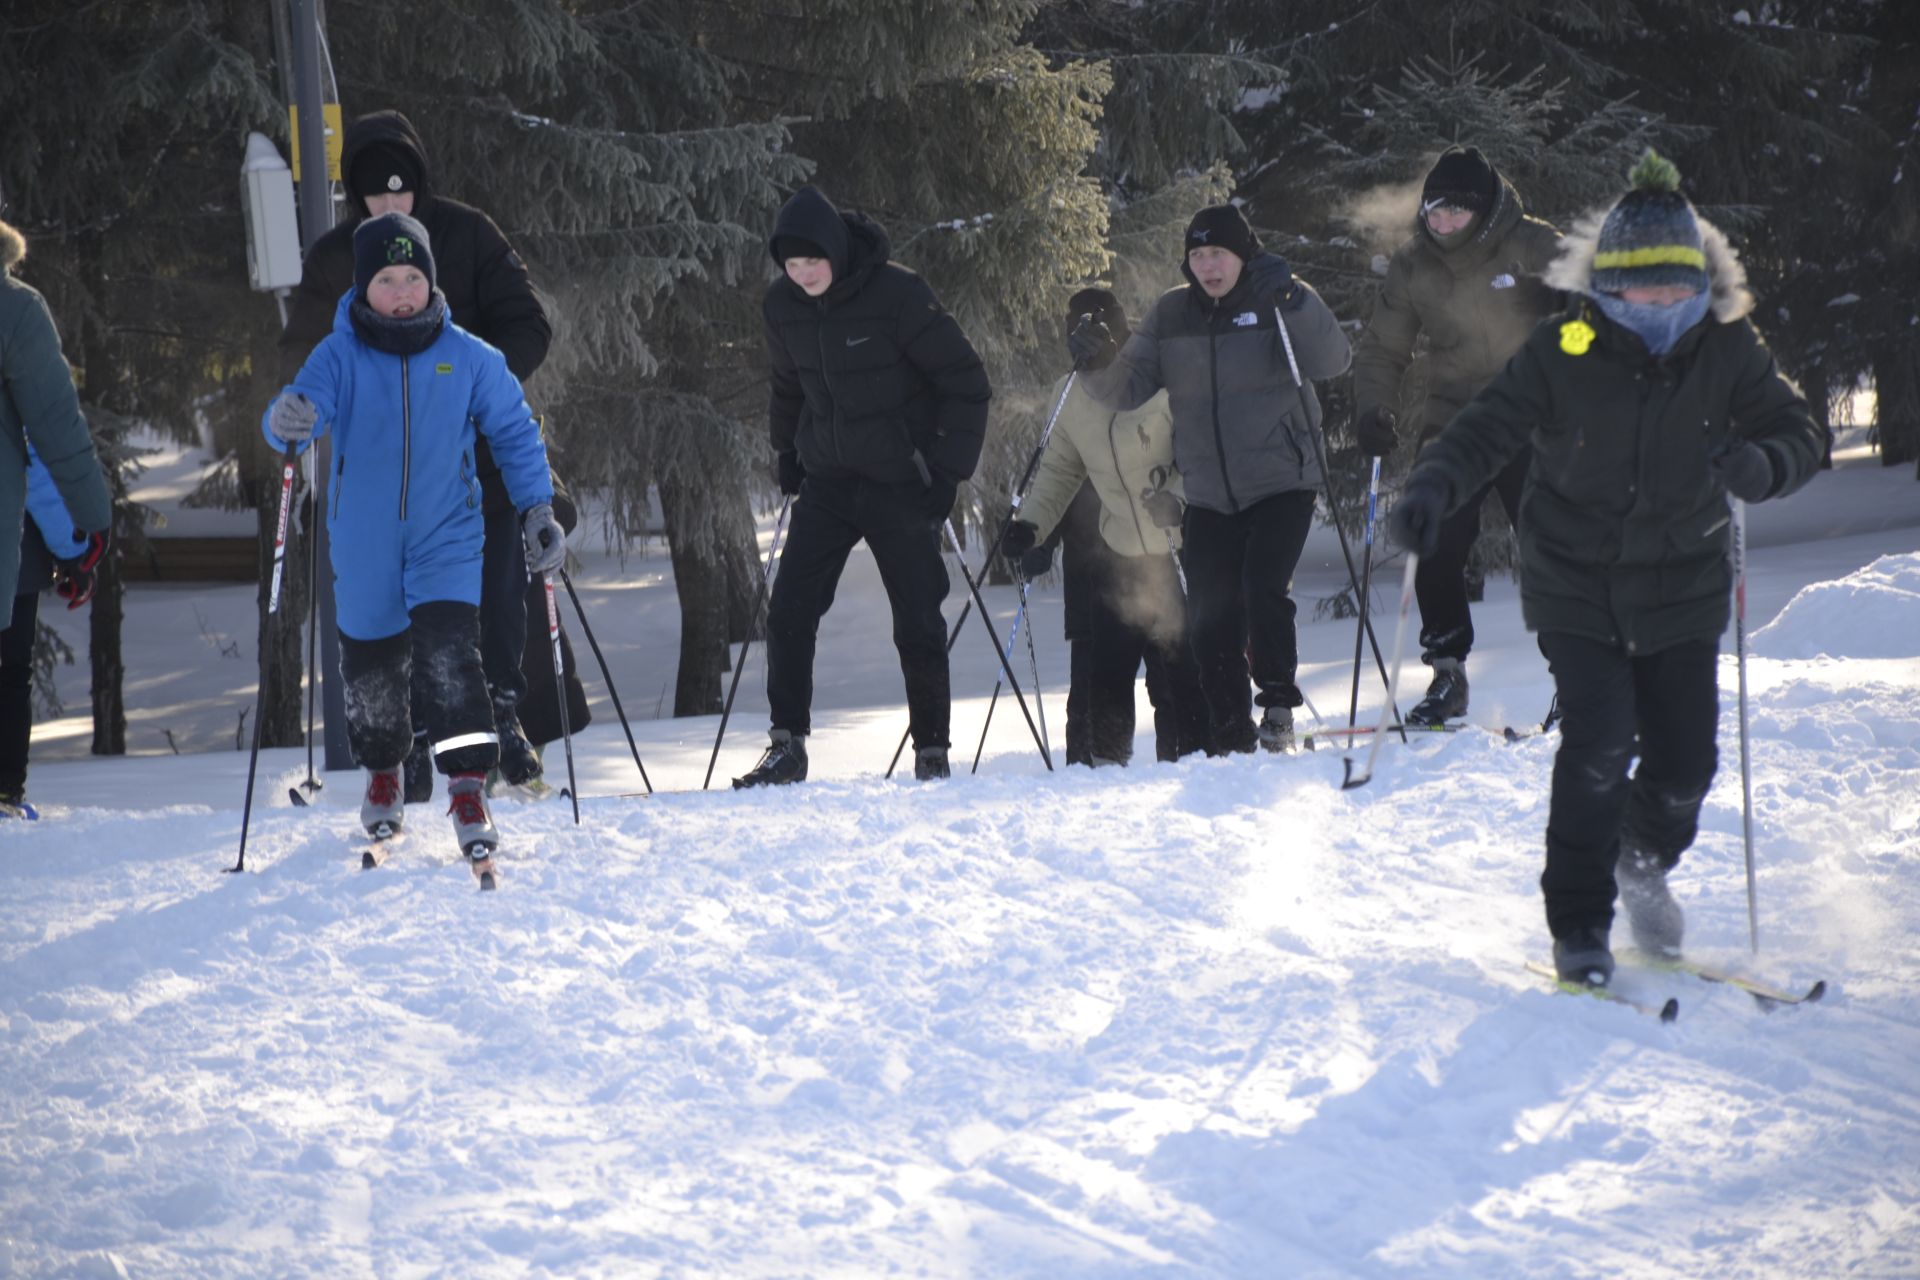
point(273, 228)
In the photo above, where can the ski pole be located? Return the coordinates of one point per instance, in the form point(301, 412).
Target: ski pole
point(1006, 664)
point(1026, 478)
point(560, 691)
point(766, 583)
point(994, 701)
point(608, 675)
point(273, 607)
point(1393, 682)
point(1033, 664)
point(1366, 587)
point(1326, 478)
point(1746, 759)
point(313, 784)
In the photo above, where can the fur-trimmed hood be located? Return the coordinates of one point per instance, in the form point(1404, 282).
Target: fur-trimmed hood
point(1572, 270)
point(13, 248)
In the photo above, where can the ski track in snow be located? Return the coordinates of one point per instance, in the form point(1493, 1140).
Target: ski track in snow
point(1214, 1019)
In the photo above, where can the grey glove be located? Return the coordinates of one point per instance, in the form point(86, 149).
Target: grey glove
point(546, 540)
point(293, 418)
point(1165, 510)
point(1746, 470)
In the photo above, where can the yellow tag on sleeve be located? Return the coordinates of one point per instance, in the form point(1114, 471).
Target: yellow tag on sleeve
point(1575, 337)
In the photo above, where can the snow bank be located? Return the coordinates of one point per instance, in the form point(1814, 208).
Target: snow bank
point(1871, 613)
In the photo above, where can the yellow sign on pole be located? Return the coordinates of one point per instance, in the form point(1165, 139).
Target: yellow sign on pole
point(335, 135)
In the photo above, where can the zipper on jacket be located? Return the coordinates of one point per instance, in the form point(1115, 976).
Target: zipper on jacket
point(406, 432)
point(820, 341)
point(339, 480)
point(1213, 383)
point(1133, 504)
point(466, 478)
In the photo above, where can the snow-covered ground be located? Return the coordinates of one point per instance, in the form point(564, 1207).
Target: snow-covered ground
point(1218, 1018)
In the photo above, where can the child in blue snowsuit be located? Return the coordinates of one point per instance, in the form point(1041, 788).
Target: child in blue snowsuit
point(404, 389)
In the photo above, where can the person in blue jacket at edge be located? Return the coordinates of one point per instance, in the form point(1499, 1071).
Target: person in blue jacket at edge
point(404, 388)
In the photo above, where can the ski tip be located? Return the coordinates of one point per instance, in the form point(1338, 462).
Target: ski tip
point(299, 801)
point(1670, 1010)
point(1350, 782)
point(1814, 992)
point(487, 883)
point(367, 861)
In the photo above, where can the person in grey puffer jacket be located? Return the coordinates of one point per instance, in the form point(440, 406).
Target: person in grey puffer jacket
point(1244, 414)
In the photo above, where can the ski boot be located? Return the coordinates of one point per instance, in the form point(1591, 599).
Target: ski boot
point(419, 773)
point(519, 763)
point(930, 763)
point(16, 806)
point(1446, 695)
point(1582, 956)
point(1657, 922)
point(785, 761)
point(473, 825)
point(382, 811)
point(1275, 730)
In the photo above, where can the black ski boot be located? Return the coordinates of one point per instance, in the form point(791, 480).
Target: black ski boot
point(930, 763)
point(1582, 956)
point(1275, 730)
point(419, 773)
point(785, 761)
point(1446, 696)
point(519, 764)
point(1657, 922)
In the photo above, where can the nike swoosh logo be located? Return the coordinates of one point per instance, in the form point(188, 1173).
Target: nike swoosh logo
point(854, 342)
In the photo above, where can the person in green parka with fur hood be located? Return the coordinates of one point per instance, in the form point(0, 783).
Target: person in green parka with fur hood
point(1468, 282)
point(1641, 409)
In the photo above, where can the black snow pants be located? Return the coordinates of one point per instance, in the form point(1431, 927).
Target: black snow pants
point(439, 657)
point(1239, 575)
point(1663, 706)
point(1440, 581)
point(829, 517)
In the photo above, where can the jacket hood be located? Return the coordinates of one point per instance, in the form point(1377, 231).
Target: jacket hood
point(809, 215)
point(1572, 271)
point(855, 243)
point(13, 247)
point(395, 130)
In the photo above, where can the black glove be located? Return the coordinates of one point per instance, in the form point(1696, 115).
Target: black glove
point(1374, 430)
point(939, 497)
point(1163, 508)
point(1091, 343)
point(1019, 539)
point(1747, 471)
point(1414, 522)
point(74, 580)
point(787, 467)
point(1036, 563)
point(1273, 283)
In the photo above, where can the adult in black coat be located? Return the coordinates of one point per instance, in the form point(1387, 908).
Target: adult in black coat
point(877, 410)
point(489, 293)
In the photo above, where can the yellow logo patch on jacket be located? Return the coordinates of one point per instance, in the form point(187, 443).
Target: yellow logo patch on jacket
point(443, 368)
point(1576, 336)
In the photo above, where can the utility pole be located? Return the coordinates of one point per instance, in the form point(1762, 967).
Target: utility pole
point(316, 219)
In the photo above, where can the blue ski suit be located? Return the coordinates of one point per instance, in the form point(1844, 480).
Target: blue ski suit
point(404, 516)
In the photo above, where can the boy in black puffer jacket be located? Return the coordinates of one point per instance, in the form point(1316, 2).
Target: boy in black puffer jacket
point(878, 410)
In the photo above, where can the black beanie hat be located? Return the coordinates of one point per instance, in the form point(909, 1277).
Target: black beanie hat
point(384, 168)
point(1462, 178)
point(785, 247)
point(386, 240)
point(1224, 227)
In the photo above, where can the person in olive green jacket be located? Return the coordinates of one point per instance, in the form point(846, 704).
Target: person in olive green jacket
point(1137, 606)
point(1469, 283)
point(1641, 409)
